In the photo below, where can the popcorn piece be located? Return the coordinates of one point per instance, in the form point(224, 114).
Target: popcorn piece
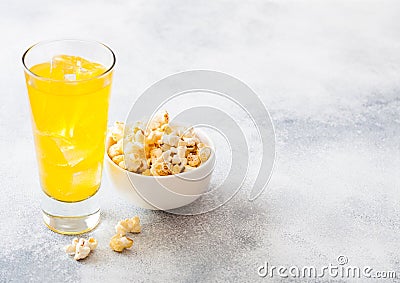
point(117, 131)
point(82, 242)
point(165, 139)
point(193, 160)
point(156, 152)
point(139, 136)
point(114, 150)
point(70, 249)
point(166, 156)
point(122, 164)
point(135, 222)
point(204, 153)
point(166, 128)
point(158, 120)
point(129, 138)
point(118, 159)
point(165, 147)
point(183, 161)
point(189, 141)
point(132, 162)
point(122, 227)
point(179, 130)
point(92, 243)
point(175, 159)
point(144, 164)
point(188, 133)
point(176, 169)
point(134, 147)
point(146, 172)
point(81, 252)
point(80, 248)
point(161, 169)
point(173, 140)
point(151, 138)
point(131, 225)
point(118, 243)
point(182, 151)
point(182, 143)
point(137, 126)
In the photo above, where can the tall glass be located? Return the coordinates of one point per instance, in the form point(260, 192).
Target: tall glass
point(68, 84)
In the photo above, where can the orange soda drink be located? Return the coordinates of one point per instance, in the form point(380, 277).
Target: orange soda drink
point(68, 83)
point(69, 99)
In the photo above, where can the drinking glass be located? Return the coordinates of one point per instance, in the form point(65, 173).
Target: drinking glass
point(69, 84)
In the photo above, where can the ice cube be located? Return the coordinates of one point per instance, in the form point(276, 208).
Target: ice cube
point(89, 177)
point(70, 77)
point(71, 153)
point(48, 150)
point(71, 68)
point(63, 67)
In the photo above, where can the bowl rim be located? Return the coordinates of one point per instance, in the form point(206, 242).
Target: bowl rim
point(212, 157)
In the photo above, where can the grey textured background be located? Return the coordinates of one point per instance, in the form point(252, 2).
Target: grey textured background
point(328, 71)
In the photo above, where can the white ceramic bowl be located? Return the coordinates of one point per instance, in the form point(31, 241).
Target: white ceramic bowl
point(162, 192)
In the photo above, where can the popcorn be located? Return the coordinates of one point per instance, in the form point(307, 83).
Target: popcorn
point(81, 252)
point(165, 147)
point(159, 119)
point(181, 150)
point(122, 164)
point(176, 159)
point(193, 160)
point(161, 169)
point(132, 163)
point(139, 136)
point(204, 153)
point(92, 242)
point(117, 132)
point(118, 159)
point(182, 143)
point(189, 141)
point(166, 128)
point(70, 249)
point(80, 248)
point(146, 172)
point(173, 140)
point(176, 169)
point(114, 150)
point(118, 243)
point(183, 161)
point(158, 150)
point(131, 225)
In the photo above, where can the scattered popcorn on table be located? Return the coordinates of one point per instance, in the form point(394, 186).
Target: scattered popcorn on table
point(131, 225)
point(80, 248)
point(158, 150)
point(118, 243)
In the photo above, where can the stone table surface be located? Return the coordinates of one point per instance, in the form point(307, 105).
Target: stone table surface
point(328, 72)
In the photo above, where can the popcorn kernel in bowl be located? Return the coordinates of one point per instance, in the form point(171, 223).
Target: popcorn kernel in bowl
point(160, 149)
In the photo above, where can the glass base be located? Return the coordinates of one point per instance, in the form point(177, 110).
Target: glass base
point(71, 218)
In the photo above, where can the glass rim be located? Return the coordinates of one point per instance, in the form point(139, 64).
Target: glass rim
point(108, 70)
